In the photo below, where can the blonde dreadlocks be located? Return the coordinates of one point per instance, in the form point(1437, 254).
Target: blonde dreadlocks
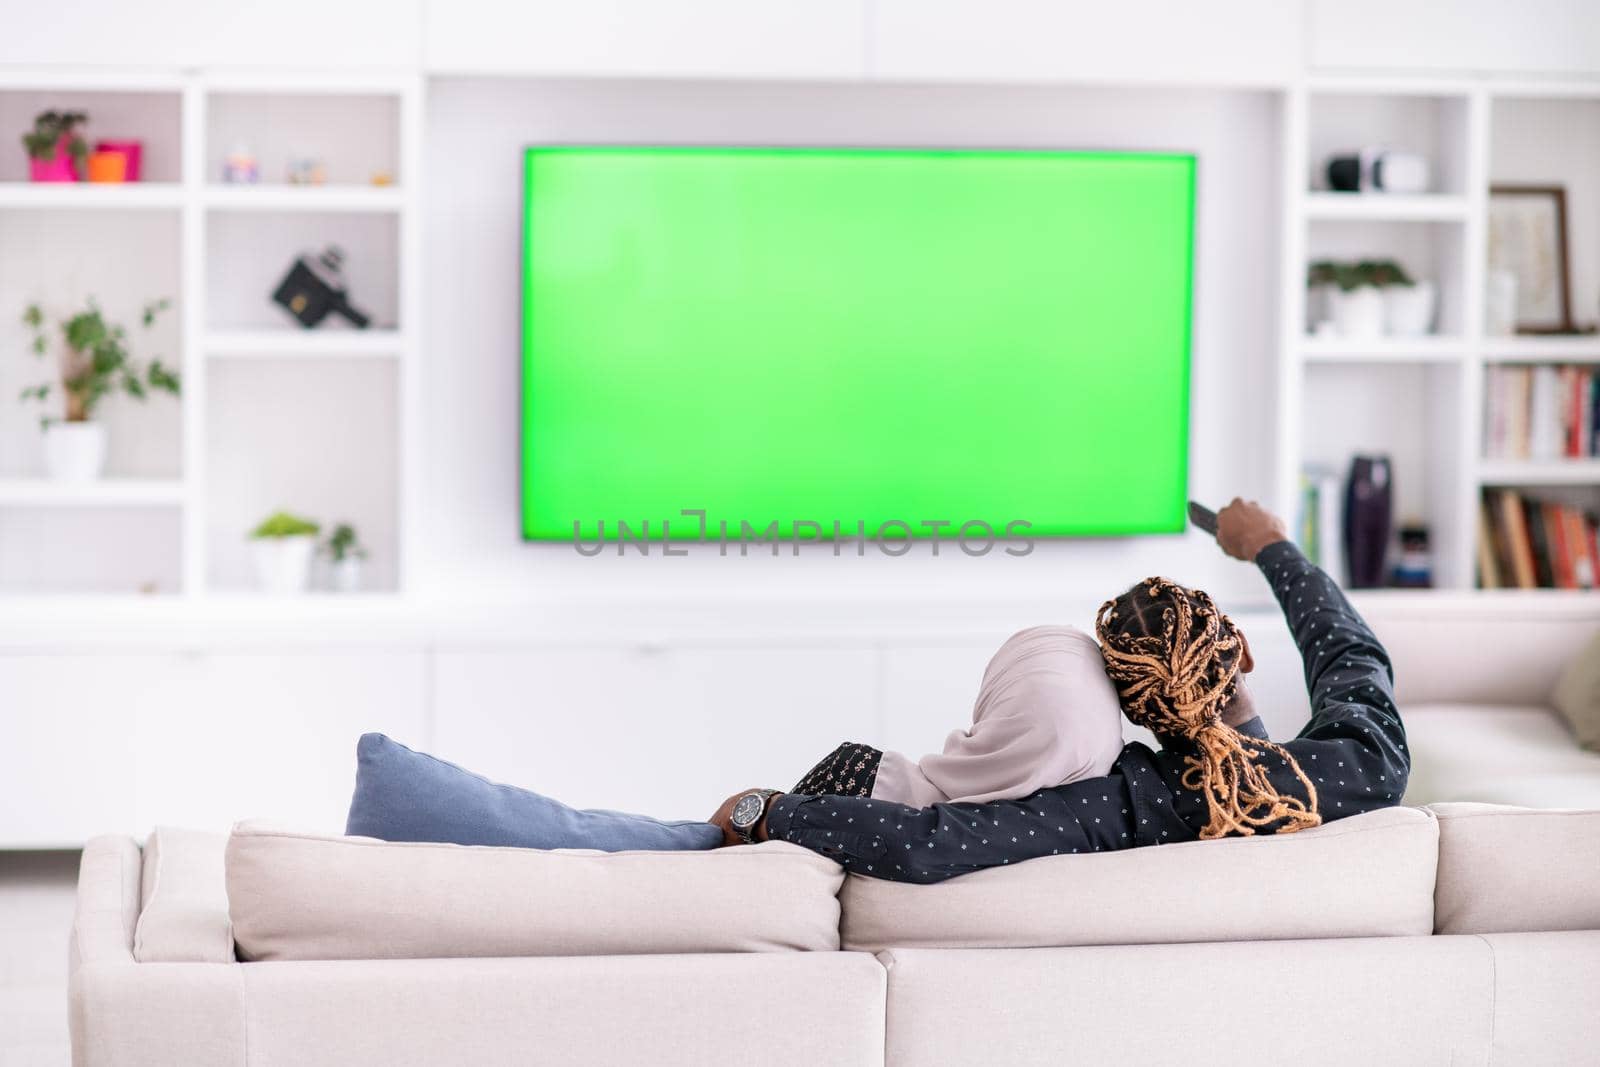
point(1175, 659)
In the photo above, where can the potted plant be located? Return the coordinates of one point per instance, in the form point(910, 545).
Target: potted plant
point(56, 150)
point(345, 552)
point(283, 545)
point(1407, 305)
point(1321, 279)
point(1357, 303)
point(94, 363)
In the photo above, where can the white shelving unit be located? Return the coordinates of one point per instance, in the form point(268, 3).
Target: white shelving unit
point(1421, 400)
point(220, 473)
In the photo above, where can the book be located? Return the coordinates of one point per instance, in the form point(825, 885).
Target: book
point(1514, 523)
point(1538, 544)
point(1584, 565)
point(1558, 560)
point(1488, 564)
point(1544, 414)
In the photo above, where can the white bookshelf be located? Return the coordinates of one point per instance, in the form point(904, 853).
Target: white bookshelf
point(230, 343)
point(1421, 400)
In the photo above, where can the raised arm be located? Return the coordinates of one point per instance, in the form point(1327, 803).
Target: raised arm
point(1354, 747)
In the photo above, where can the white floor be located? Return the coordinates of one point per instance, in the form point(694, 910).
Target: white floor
point(36, 896)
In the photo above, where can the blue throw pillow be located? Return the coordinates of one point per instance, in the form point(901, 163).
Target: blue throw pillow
point(403, 795)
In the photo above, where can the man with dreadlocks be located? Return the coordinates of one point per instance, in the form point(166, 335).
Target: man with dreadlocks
point(1178, 665)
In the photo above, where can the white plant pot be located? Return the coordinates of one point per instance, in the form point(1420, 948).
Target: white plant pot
point(1408, 309)
point(1319, 305)
point(283, 564)
point(347, 575)
point(1359, 312)
point(74, 451)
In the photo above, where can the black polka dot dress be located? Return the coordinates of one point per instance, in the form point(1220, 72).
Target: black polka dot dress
point(1353, 750)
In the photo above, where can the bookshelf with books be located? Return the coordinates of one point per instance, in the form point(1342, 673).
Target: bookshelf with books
point(1490, 423)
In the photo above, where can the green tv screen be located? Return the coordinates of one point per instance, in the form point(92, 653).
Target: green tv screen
point(851, 337)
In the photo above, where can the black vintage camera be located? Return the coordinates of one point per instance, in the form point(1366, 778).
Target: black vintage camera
point(314, 288)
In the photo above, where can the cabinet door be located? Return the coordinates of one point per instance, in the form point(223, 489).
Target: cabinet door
point(1465, 36)
point(668, 732)
point(1232, 42)
point(686, 38)
point(269, 735)
point(66, 733)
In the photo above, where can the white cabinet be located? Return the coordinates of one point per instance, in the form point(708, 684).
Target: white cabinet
point(1229, 42)
point(1464, 36)
point(202, 33)
point(667, 732)
point(269, 734)
point(94, 743)
point(66, 734)
point(687, 38)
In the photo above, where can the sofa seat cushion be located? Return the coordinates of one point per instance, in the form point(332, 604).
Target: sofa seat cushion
point(1370, 875)
point(1504, 869)
point(303, 896)
point(1498, 754)
point(183, 912)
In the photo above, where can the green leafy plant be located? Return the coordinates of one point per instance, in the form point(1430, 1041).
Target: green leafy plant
point(95, 361)
point(1386, 272)
point(343, 544)
point(1322, 272)
point(285, 524)
point(48, 129)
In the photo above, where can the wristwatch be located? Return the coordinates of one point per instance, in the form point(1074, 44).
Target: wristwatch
point(747, 813)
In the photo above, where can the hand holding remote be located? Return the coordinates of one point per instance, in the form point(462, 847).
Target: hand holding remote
point(1244, 528)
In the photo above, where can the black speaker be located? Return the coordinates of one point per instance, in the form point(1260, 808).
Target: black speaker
point(1368, 516)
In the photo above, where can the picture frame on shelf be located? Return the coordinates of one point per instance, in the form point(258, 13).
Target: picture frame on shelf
point(1528, 239)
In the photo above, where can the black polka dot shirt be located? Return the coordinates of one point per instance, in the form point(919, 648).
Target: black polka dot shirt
point(1353, 749)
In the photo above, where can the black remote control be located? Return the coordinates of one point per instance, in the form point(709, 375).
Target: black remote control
point(1203, 518)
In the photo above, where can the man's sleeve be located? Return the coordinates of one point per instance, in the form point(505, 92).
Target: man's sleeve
point(886, 840)
point(1354, 747)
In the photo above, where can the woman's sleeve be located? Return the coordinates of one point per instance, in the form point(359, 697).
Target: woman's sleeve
point(1354, 747)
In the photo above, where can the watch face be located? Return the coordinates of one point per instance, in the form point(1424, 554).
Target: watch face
point(747, 811)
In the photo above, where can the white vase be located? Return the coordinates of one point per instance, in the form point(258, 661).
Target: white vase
point(283, 564)
point(1408, 309)
point(1500, 304)
point(74, 451)
point(1358, 312)
point(347, 575)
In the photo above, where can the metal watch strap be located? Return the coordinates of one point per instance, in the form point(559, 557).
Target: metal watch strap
point(747, 835)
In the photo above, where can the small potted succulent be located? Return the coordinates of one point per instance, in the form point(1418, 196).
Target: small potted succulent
point(94, 363)
point(1357, 301)
point(283, 545)
point(57, 152)
point(1322, 278)
point(345, 552)
point(1407, 305)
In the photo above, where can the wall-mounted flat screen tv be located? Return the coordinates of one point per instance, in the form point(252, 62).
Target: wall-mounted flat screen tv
point(852, 338)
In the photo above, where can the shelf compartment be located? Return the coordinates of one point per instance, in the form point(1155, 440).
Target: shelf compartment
point(247, 255)
point(355, 135)
point(1512, 473)
point(1432, 124)
point(152, 117)
point(1433, 251)
point(1427, 349)
point(112, 550)
point(323, 446)
point(290, 343)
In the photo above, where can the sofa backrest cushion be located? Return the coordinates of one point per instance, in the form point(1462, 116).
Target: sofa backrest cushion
point(1369, 875)
point(303, 896)
point(1508, 870)
point(183, 911)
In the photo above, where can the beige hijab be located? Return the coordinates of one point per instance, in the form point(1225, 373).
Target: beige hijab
point(1046, 715)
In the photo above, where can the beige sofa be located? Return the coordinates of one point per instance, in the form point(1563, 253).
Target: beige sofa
point(1462, 934)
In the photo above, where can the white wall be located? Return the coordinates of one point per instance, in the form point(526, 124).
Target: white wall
point(469, 543)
